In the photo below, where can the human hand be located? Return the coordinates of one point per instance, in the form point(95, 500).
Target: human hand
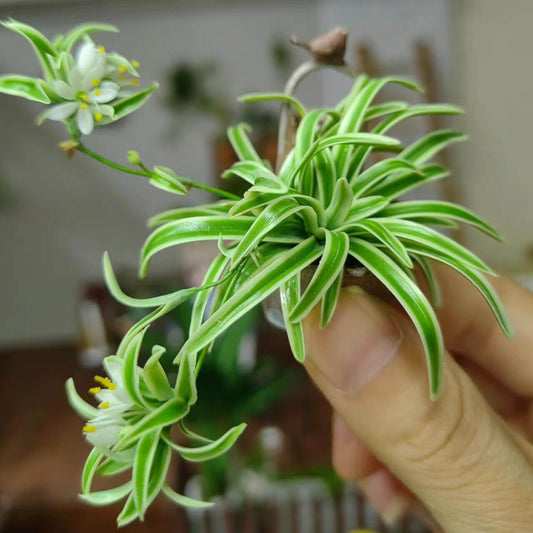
point(467, 457)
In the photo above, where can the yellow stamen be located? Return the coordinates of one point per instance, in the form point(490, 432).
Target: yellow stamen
point(89, 429)
point(123, 76)
point(122, 68)
point(98, 117)
point(104, 405)
point(135, 81)
point(105, 382)
point(135, 64)
point(101, 49)
point(94, 390)
point(95, 82)
point(98, 92)
point(83, 106)
point(84, 97)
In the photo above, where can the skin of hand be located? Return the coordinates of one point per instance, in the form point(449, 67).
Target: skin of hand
point(467, 458)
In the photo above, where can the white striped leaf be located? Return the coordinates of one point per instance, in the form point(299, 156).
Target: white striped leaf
point(330, 266)
point(142, 466)
point(476, 278)
point(412, 300)
point(211, 450)
point(107, 497)
point(269, 97)
point(414, 210)
point(290, 295)
point(260, 284)
point(238, 137)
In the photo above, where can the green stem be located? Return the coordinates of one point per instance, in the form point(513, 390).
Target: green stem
point(111, 164)
point(146, 174)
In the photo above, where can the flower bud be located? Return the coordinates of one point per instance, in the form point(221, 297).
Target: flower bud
point(134, 158)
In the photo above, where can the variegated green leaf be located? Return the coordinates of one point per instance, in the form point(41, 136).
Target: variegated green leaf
point(384, 126)
point(74, 35)
point(355, 114)
point(107, 497)
point(79, 405)
point(377, 173)
point(406, 181)
point(213, 274)
point(268, 97)
point(290, 296)
point(186, 382)
point(425, 148)
point(142, 467)
point(172, 215)
point(166, 415)
point(238, 137)
point(406, 230)
point(211, 450)
point(392, 243)
point(112, 284)
point(248, 171)
point(111, 467)
point(44, 49)
point(419, 209)
point(412, 300)
point(364, 208)
point(387, 108)
point(185, 501)
point(131, 103)
point(329, 301)
point(155, 377)
point(260, 284)
point(24, 87)
point(326, 177)
point(89, 469)
point(431, 280)
point(369, 139)
point(130, 371)
point(206, 228)
point(271, 217)
point(330, 266)
point(159, 471)
point(476, 278)
point(340, 204)
point(166, 179)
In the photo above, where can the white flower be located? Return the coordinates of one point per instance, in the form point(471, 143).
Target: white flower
point(86, 92)
point(114, 403)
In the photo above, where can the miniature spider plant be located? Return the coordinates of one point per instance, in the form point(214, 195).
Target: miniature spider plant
point(327, 204)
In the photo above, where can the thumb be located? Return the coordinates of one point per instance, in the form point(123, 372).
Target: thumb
point(455, 453)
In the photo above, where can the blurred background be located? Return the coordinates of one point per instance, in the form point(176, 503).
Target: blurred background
point(57, 217)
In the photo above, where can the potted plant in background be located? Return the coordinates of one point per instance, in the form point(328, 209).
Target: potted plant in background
point(322, 218)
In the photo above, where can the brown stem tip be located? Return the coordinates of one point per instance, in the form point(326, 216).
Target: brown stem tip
point(328, 48)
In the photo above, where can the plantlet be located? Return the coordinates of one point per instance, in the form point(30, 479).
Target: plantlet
point(325, 205)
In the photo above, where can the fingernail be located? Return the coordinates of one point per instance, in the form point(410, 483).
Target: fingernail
point(396, 510)
point(359, 341)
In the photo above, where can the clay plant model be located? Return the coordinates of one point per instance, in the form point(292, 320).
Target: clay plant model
point(329, 211)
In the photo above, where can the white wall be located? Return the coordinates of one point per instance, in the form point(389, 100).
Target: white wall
point(493, 80)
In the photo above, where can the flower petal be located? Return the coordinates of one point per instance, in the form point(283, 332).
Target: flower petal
point(64, 90)
point(60, 111)
point(84, 119)
point(106, 92)
point(86, 57)
point(75, 78)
